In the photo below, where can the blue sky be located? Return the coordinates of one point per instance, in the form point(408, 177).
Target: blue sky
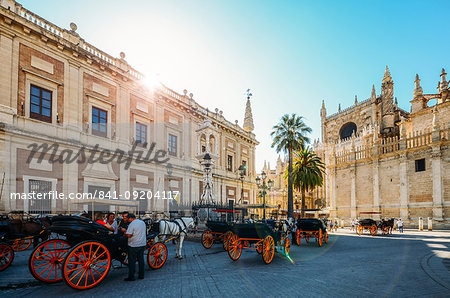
point(292, 54)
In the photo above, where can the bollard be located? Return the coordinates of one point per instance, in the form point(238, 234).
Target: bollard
point(430, 224)
point(420, 224)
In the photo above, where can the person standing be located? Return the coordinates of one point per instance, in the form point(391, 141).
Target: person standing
point(137, 240)
point(123, 224)
point(110, 219)
point(353, 225)
point(400, 225)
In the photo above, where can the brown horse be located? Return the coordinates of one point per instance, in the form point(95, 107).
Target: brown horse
point(35, 227)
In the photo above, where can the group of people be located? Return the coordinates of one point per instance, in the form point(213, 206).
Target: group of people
point(136, 233)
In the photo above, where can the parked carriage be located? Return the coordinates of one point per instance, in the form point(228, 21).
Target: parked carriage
point(20, 233)
point(217, 231)
point(367, 224)
point(308, 228)
point(260, 237)
point(84, 258)
point(6, 255)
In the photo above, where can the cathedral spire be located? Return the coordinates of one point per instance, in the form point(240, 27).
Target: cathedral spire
point(373, 97)
point(443, 84)
point(387, 75)
point(323, 111)
point(248, 119)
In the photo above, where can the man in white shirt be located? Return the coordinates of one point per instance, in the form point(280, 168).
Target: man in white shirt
point(137, 240)
point(400, 225)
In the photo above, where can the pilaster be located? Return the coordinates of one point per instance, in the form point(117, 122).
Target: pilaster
point(376, 186)
point(404, 189)
point(6, 60)
point(436, 169)
point(353, 207)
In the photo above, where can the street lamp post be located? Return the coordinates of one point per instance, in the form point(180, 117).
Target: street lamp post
point(261, 182)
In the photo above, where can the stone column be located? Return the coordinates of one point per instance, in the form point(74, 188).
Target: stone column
point(333, 205)
point(376, 186)
point(6, 60)
point(437, 182)
point(353, 206)
point(404, 189)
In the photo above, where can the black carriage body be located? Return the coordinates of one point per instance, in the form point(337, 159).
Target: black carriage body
point(256, 231)
point(78, 229)
point(367, 222)
point(218, 226)
point(311, 224)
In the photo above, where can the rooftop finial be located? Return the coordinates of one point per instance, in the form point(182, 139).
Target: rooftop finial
point(248, 118)
point(418, 91)
point(374, 94)
point(444, 84)
point(323, 110)
point(356, 100)
point(339, 108)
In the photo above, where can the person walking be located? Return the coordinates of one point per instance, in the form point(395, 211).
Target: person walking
point(400, 225)
point(353, 225)
point(137, 240)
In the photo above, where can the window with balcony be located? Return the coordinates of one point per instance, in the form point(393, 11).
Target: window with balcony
point(99, 122)
point(40, 104)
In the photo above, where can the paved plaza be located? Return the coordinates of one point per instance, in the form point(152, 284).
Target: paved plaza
point(409, 264)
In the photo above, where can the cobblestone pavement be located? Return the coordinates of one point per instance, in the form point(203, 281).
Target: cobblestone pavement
point(409, 264)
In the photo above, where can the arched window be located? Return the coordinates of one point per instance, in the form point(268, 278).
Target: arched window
point(347, 130)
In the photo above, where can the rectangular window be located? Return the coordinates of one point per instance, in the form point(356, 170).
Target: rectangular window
point(230, 163)
point(420, 165)
point(99, 120)
point(172, 145)
point(40, 104)
point(42, 203)
point(141, 133)
point(244, 163)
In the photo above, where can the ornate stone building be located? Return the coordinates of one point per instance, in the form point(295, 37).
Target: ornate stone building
point(381, 158)
point(59, 90)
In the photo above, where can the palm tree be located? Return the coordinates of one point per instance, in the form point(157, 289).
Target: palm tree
point(290, 135)
point(307, 172)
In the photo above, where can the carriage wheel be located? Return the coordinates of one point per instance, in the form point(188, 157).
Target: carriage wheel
point(268, 249)
point(307, 238)
point(226, 239)
point(86, 265)
point(373, 230)
point(385, 230)
point(360, 230)
point(21, 244)
point(6, 256)
point(326, 237)
point(207, 239)
point(46, 260)
point(234, 247)
point(298, 237)
point(320, 238)
point(287, 245)
point(157, 255)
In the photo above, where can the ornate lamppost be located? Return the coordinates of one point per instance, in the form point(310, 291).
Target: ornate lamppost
point(261, 183)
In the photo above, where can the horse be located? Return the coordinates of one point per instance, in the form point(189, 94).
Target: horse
point(33, 226)
point(389, 224)
point(178, 227)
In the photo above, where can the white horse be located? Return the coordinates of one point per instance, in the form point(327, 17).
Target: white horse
point(178, 227)
point(287, 225)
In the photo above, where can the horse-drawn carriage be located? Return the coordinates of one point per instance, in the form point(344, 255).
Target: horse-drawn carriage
point(217, 231)
point(308, 228)
point(258, 236)
point(367, 224)
point(6, 255)
point(84, 257)
point(386, 226)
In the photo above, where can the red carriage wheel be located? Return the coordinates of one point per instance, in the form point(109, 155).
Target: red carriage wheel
point(268, 249)
point(234, 247)
point(226, 239)
point(360, 230)
point(320, 238)
point(373, 230)
point(287, 246)
point(6, 256)
point(86, 265)
point(298, 237)
point(45, 263)
point(307, 238)
point(385, 230)
point(326, 237)
point(207, 239)
point(157, 255)
point(21, 244)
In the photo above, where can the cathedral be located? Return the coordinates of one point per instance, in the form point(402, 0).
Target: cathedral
point(384, 161)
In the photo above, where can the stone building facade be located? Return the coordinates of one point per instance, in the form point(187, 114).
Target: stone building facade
point(381, 158)
point(58, 89)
